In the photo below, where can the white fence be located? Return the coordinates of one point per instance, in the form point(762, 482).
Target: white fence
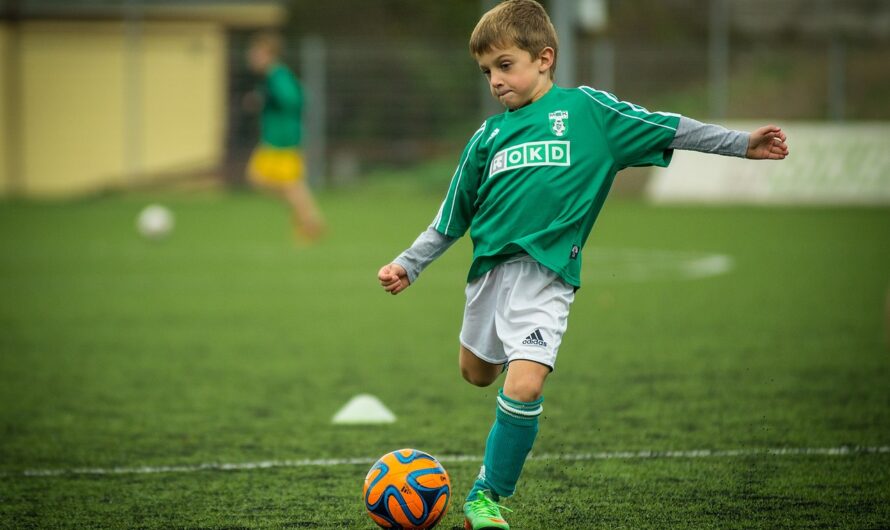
point(844, 163)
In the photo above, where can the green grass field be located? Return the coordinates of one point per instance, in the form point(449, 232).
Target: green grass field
point(225, 344)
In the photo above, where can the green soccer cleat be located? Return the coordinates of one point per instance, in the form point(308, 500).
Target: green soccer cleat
point(484, 513)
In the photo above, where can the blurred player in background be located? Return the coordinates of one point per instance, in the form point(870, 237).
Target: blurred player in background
point(277, 162)
point(529, 187)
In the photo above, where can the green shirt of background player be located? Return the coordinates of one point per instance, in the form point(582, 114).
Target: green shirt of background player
point(280, 118)
point(529, 186)
point(277, 162)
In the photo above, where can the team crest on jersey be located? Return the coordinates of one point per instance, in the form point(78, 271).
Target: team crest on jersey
point(559, 122)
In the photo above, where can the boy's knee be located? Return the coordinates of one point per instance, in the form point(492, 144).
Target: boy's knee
point(525, 391)
point(525, 381)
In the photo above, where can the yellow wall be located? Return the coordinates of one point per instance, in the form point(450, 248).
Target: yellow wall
point(102, 106)
point(71, 106)
point(4, 116)
point(183, 92)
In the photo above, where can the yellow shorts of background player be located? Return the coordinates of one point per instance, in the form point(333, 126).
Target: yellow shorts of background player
point(275, 166)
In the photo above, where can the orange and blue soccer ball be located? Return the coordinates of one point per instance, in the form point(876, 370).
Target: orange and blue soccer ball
point(407, 489)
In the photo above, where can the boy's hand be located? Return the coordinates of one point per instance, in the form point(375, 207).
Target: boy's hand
point(767, 143)
point(252, 102)
point(393, 278)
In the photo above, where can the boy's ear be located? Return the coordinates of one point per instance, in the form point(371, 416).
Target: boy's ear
point(546, 56)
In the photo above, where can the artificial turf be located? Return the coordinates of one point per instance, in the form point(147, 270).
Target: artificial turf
point(227, 343)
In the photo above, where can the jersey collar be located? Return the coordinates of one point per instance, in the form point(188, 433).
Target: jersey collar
point(534, 105)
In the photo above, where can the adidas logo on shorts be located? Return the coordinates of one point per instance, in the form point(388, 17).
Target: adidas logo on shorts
point(535, 339)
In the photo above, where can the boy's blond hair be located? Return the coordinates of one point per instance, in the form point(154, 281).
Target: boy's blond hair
point(521, 23)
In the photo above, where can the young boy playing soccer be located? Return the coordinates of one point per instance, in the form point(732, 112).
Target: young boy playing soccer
point(277, 163)
point(529, 186)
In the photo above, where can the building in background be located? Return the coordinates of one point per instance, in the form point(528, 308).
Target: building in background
point(108, 93)
point(103, 96)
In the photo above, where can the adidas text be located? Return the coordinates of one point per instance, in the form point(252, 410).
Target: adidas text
point(535, 339)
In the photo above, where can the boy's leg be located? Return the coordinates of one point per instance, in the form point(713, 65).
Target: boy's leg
point(515, 428)
point(281, 171)
point(476, 371)
point(525, 380)
point(305, 211)
point(496, 328)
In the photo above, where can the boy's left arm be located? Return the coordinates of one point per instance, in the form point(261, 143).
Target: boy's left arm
point(764, 143)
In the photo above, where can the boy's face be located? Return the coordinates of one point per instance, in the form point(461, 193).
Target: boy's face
point(515, 78)
point(259, 58)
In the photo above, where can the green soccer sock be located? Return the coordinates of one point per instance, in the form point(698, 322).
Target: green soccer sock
point(509, 442)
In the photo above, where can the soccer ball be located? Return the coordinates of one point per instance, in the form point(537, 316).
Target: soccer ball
point(155, 221)
point(407, 489)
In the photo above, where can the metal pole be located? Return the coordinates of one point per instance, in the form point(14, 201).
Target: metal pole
point(314, 76)
point(837, 78)
point(564, 15)
point(487, 104)
point(604, 64)
point(718, 58)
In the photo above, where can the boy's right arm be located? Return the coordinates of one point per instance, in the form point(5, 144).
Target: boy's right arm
point(404, 270)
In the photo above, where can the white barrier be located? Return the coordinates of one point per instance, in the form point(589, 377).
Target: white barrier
point(828, 164)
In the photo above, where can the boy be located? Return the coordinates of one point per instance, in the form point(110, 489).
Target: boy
point(529, 186)
point(277, 163)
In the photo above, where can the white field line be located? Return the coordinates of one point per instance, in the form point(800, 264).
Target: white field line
point(616, 265)
point(569, 457)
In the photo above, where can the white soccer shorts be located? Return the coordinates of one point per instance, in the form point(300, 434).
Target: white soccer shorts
point(518, 310)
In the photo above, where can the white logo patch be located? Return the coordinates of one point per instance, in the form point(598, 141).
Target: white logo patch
point(552, 153)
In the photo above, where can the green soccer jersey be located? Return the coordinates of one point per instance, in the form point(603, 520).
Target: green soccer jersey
point(534, 179)
point(283, 104)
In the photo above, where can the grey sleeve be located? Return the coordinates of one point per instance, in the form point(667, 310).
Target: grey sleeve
point(428, 246)
point(694, 135)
